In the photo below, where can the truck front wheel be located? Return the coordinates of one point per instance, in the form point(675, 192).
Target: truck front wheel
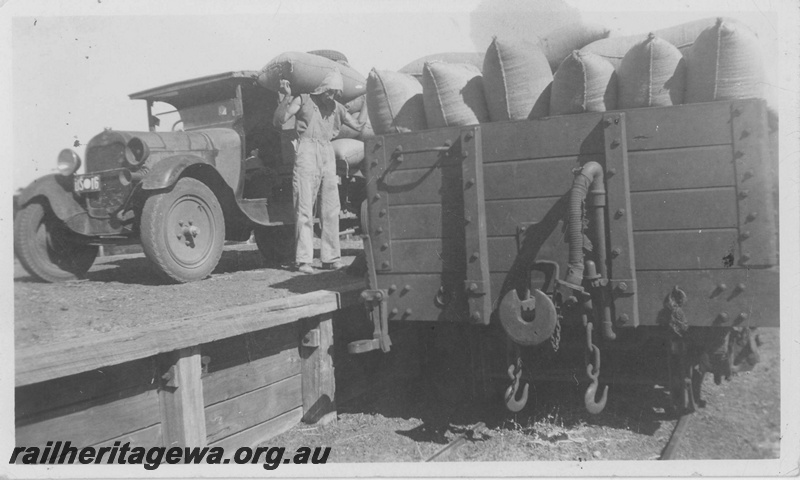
point(47, 248)
point(183, 230)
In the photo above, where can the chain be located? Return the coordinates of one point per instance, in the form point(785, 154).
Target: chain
point(555, 339)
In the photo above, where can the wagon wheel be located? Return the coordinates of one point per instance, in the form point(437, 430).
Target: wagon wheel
point(47, 248)
point(183, 230)
point(276, 244)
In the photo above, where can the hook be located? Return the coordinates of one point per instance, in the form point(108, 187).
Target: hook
point(593, 371)
point(512, 403)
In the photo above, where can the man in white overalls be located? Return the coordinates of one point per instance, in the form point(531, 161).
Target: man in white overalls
point(318, 118)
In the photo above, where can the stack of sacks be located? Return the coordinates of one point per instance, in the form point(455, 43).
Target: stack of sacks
point(561, 42)
point(584, 82)
point(651, 74)
point(452, 94)
point(682, 36)
point(415, 68)
point(394, 102)
point(515, 79)
point(724, 63)
point(305, 71)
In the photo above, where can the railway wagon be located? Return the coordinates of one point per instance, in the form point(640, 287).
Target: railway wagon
point(650, 235)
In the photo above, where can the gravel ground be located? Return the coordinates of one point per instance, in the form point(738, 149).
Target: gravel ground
point(410, 423)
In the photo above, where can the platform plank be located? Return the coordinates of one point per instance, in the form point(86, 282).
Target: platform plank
point(46, 362)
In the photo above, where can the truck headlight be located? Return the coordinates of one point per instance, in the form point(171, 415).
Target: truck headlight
point(68, 162)
point(136, 152)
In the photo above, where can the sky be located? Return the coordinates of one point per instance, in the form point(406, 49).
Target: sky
point(73, 64)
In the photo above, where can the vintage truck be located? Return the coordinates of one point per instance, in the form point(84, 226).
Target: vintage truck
point(650, 234)
point(211, 168)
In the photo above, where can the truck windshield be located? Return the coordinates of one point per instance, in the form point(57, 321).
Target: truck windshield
point(215, 114)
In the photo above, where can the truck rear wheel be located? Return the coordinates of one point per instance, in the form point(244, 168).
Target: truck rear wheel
point(276, 244)
point(47, 248)
point(183, 230)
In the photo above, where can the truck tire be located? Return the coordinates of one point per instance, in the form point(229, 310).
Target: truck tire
point(276, 244)
point(183, 230)
point(47, 248)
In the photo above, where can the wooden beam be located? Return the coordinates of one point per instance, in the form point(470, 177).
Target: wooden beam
point(316, 354)
point(180, 394)
point(45, 362)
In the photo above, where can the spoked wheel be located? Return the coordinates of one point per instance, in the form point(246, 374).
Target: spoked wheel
point(183, 230)
point(47, 248)
point(276, 244)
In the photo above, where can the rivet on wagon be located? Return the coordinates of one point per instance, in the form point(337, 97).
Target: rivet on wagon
point(392, 288)
point(395, 311)
point(382, 213)
point(721, 288)
point(611, 172)
point(616, 252)
point(476, 315)
point(745, 257)
point(748, 174)
point(745, 235)
point(377, 197)
point(384, 246)
point(619, 213)
point(722, 318)
point(374, 163)
point(751, 216)
point(741, 287)
point(467, 219)
point(385, 264)
point(469, 183)
point(623, 319)
point(473, 287)
point(741, 318)
point(622, 287)
point(738, 154)
point(475, 256)
point(745, 133)
point(468, 136)
point(615, 143)
point(408, 311)
point(608, 121)
point(744, 193)
point(379, 230)
point(407, 288)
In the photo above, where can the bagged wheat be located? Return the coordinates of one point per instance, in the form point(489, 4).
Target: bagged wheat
point(394, 102)
point(306, 71)
point(682, 36)
point(723, 64)
point(514, 76)
point(334, 55)
point(453, 95)
point(652, 74)
point(561, 42)
point(415, 68)
point(584, 82)
point(349, 150)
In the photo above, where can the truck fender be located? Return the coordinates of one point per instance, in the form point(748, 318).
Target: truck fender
point(167, 171)
point(53, 187)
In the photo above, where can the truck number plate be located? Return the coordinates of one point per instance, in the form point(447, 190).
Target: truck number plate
point(87, 183)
